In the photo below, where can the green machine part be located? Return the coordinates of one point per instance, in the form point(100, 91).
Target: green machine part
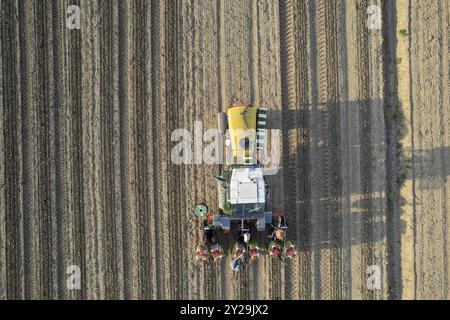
point(222, 188)
point(200, 210)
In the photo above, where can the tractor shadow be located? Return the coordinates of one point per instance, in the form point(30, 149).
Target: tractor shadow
point(331, 195)
point(430, 167)
point(335, 178)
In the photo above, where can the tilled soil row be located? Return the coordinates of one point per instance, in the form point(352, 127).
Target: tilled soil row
point(84, 140)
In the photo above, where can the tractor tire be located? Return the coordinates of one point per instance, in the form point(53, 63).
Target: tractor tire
point(222, 122)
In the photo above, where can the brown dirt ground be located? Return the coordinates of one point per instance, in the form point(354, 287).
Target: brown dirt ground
point(87, 116)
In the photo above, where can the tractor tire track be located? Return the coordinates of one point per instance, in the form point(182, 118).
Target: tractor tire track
point(288, 40)
point(324, 154)
point(295, 72)
point(335, 228)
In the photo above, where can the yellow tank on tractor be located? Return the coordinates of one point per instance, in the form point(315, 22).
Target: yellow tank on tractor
point(242, 132)
point(246, 130)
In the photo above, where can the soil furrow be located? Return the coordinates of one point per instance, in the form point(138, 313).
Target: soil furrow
point(12, 156)
point(3, 262)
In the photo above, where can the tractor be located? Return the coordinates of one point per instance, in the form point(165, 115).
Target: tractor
point(243, 194)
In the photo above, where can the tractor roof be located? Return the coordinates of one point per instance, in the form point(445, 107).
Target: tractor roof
point(247, 186)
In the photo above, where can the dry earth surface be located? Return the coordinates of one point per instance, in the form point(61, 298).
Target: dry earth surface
point(86, 124)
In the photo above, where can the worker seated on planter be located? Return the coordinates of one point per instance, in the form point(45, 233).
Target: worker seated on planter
point(276, 233)
point(239, 251)
point(289, 250)
point(202, 252)
point(216, 252)
point(253, 250)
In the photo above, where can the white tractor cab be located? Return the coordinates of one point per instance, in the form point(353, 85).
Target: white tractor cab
point(242, 197)
point(242, 189)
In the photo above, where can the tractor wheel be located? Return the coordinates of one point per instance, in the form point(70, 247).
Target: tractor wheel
point(222, 122)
